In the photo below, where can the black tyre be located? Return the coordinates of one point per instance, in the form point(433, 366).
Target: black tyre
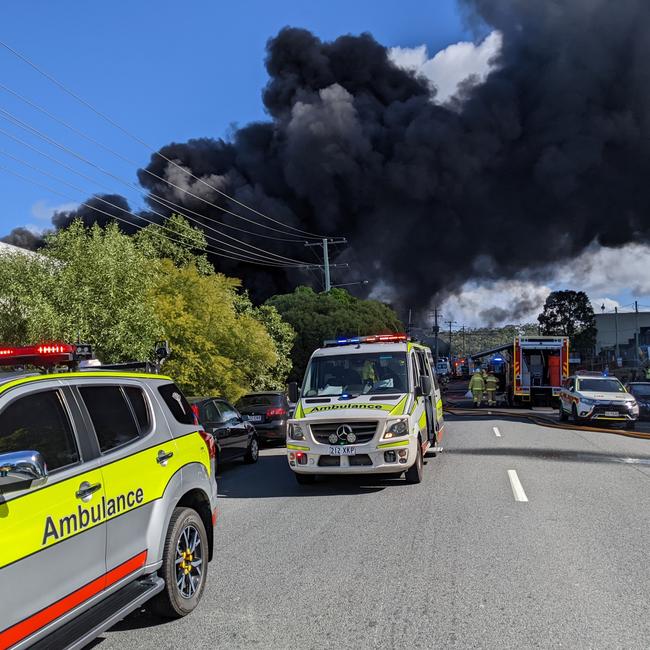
point(305, 479)
point(414, 473)
point(630, 426)
point(253, 451)
point(393, 475)
point(185, 565)
point(563, 415)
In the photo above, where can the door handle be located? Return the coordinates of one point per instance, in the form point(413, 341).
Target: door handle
point(86, 490)
point(163, 457)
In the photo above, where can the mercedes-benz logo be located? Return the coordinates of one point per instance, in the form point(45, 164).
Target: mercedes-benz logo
point(345, 433)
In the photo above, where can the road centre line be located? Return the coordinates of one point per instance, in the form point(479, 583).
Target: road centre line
point(497, 433)
point(517, 488)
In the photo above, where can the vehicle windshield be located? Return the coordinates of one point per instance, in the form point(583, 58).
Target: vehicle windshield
point(357, 374)
point(642, 390)
point(601, 385)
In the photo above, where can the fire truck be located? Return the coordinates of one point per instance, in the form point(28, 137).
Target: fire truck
point(531, 370)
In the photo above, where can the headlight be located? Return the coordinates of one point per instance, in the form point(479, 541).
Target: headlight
point(632, 404)
point(397, 429)
point(296, 432)
point(589, 402)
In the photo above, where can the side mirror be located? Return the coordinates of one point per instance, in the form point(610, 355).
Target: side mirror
point(292, 389)
point(21, 469)
point(426, 384)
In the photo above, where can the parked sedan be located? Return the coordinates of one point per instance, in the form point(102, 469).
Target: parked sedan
point(269, 413)
point(235, 437)
point(641, 390)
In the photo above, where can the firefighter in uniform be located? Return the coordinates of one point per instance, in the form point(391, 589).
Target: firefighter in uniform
point(491, 387)
point(477, 386)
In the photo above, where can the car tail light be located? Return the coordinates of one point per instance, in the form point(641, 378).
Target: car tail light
point(209, 441)
point(275, 412)
point(195, 410)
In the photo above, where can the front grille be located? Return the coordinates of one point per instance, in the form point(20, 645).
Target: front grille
point(619, 408)
point(329, 461)
point(360, 459)
point(364, 431)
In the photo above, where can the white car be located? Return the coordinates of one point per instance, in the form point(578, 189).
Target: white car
point(592, 396)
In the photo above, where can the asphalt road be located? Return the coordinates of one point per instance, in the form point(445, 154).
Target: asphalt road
point(456, 561)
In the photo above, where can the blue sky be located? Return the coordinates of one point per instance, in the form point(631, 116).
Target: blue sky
point(164, 70)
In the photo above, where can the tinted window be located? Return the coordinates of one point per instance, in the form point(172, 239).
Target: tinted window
point(601, 385)
point(111, 416)
point(177, 403)
point(642, 390)
point(211, 414)
point(140, 408)
point(260, 400)
point(227, 412)
point(39, 422)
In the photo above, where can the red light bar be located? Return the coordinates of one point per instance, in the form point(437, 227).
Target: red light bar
point(45, 354)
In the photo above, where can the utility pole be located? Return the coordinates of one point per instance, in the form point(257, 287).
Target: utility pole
point(325, 243)
point(450, 323)
point(637, 333)
point(464, 348)
point(616, 334)
point(436, 330)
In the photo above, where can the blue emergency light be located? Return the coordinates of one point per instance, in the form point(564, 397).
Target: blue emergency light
point(375, 338)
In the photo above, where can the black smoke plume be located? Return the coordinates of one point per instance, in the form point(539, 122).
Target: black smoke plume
point(101, 209)
point(549, 154)
point(23, 238)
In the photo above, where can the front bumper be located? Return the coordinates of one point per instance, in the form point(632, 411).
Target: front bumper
point(601, 413)
point(308, 457)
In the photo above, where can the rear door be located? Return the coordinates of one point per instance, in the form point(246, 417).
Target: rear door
point(53, 537)
point(138, 459)
point(238, 429)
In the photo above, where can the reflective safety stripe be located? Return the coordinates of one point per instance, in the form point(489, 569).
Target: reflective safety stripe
point(39, 620)
point(401, 443)
point(349, 407)
point(298, 448)
point(67, 375)
point(423, 420)
point(399, 409)
point(48, 515)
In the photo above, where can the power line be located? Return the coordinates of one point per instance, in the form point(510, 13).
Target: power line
point(289, 238)
point(240, 257)
point(144, 144)
point(71, 152)
point(81, 190)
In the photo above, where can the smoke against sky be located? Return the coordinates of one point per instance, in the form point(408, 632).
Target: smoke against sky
point(544, 158)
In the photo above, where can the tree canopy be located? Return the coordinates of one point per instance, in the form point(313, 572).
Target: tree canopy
point(320, 316)
point(123, 293)
point(569, 313)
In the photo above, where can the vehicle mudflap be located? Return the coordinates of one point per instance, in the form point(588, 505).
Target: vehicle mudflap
point(82, 629)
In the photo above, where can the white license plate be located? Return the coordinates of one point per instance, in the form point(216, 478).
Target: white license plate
point(611, 414)
point(253, 418)
point(342, 451)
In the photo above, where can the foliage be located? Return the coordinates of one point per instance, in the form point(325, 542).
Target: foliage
point(178, 241)
point(480, 339)
point(569, 313)
point(92, 284)
point(320, 316)
point(215, 349)
point(283, 336)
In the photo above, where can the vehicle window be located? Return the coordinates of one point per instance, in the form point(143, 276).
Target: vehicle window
point(259, 400)
point(601, 385)
point(642, 390)
point(140, 407)
point(228, 413)
point(211, 412)
point(110, 415)
point(356, 374)
point(39, 422)
point(177, 404)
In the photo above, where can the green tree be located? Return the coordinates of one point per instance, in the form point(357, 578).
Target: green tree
point(319, 316)
point(176, 240)
point(569, 313)
point(283, 336)
point(215, 350)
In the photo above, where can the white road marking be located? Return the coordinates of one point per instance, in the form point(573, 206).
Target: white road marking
point(516, 486)
point(497, 433)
